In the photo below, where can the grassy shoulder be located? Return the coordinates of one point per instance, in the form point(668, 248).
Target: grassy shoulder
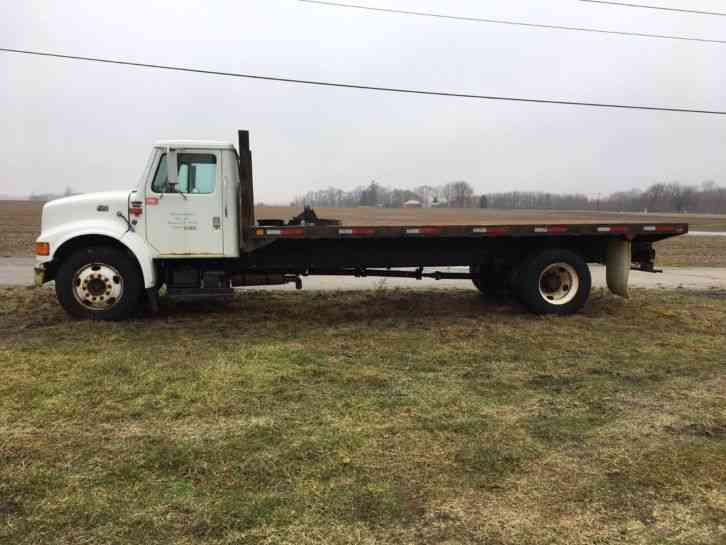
point(365, 417)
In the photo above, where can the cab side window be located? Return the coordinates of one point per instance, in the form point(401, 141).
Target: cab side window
point(197, 174)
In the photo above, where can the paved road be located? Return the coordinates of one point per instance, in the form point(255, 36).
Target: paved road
point(18, 271)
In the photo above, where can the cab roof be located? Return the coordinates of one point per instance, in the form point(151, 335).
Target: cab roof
point(200, 144)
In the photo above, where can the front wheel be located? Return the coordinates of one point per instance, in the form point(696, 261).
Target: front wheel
point(99, 283)
point(555, 282)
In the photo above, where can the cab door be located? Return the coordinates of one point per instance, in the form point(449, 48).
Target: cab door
point(184, 219)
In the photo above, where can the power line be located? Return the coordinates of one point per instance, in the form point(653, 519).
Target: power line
point(515, 23)
point(318, 83)
point(662, 8)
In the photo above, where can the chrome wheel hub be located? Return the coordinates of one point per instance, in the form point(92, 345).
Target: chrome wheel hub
point(98, 286)
point(559, 283)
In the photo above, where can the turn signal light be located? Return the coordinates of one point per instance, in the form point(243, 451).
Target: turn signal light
point(42, 248)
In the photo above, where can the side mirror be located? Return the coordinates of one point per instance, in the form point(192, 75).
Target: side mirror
point(172, 169)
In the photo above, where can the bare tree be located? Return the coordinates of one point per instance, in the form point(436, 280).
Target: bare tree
point(459, 194)
point(682, 197)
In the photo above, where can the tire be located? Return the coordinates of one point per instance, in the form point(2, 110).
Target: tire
point(476, 278)
point(489, 281)
point(554, 282)
point(99, 283)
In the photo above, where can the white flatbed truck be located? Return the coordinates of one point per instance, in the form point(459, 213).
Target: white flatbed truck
point(190, 226)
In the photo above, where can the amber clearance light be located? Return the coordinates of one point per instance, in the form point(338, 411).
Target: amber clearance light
point(42, 248)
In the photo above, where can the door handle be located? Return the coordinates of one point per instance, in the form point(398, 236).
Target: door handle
point(216, 222)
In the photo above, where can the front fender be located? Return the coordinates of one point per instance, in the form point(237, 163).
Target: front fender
point(117, 231)
point(144, 253)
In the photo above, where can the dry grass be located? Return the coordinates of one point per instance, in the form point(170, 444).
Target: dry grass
point(20, 226)
point(365, 417)
point(692, 251)
point(476, 216)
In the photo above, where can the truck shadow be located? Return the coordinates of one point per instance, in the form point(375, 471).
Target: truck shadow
point(395, 306)
point(365, 306)
point(287, 313)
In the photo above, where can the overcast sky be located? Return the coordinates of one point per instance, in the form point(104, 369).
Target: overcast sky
point(91, 126)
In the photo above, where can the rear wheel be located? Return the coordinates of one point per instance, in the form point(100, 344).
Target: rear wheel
point(99, 283)
point(554, 282)
point(490, 281)
point(476, 277)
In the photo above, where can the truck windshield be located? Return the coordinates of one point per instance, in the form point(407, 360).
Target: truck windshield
point(197, 174)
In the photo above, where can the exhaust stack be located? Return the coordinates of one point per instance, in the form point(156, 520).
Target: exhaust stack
point(246, 193)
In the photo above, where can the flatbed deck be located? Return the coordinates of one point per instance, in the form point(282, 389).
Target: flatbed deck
point(653, 231)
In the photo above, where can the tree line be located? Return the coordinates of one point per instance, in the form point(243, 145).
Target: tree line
point(45, 197)
point(457, 194)
point(707, 198)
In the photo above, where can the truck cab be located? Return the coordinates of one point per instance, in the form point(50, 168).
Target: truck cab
point(195, 213)
point(185, 206)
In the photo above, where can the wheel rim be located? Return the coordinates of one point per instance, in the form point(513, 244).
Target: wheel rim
point(98, 286)
point(559, 283)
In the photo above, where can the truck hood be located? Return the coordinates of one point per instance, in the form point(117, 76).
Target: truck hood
point(89, 206)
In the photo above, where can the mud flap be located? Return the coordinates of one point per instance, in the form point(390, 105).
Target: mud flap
point(618, 267)
point(152, 296)
point(40, 275)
